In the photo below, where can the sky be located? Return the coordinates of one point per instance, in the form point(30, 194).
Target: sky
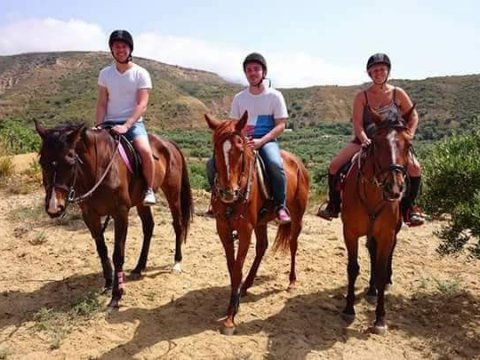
point(306, 43)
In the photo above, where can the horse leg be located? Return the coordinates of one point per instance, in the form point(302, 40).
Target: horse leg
point(384, 250)
point(371, 295)
point(173, 199)
point(145, 214)
point(121, 226)
point(244, 238)
point(296, 228)
point(353, 269)
point(389, 283)
point(94, 225)
point(261, 247)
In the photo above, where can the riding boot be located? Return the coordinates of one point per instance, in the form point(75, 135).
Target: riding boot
point(332, 208)
point(411, 214)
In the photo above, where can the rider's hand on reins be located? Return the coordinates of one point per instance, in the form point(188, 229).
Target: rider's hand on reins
point(254, 144)
point(120, 129)
point(366, 142)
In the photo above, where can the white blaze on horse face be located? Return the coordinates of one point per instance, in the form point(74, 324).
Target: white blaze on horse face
point(393, 148)
point(53, 204)
point(227, 146)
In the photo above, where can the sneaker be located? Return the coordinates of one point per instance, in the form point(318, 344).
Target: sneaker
point(149, 198)
point(326, 211)
point(413, 217)
point(283, 217)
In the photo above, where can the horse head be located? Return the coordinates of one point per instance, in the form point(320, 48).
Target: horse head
point(390, 149)
point(231, 156)
point(58, 160)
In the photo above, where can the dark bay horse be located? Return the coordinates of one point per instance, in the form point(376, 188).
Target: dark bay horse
point(371, 197)
point(86, 163)
point(240, 207)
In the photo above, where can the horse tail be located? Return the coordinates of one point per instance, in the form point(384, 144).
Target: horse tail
point(284, 233)
point(283, 238)
point(186, 198)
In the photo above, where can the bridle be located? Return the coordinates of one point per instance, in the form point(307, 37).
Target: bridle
point(378, 174)
point(239, 192)
point(70, 189)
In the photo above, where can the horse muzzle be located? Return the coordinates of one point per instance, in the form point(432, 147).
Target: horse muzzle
point(54, 206)
point(228, 196)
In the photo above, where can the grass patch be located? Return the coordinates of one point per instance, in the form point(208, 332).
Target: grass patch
point(57, 324)
point(39, 239)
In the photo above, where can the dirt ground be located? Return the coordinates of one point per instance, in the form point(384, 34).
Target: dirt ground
point(433, 309)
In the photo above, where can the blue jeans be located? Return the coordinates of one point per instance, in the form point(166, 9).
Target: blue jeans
point(270, 154)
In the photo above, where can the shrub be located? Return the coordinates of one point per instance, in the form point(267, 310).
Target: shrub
point(452, 186)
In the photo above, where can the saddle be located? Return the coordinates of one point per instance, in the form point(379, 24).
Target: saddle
point(129, 155)
point(341, 174)
point(262, 177)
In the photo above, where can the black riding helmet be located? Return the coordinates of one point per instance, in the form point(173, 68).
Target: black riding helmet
point(256, 58)
point(121, 35)
point(379, 58)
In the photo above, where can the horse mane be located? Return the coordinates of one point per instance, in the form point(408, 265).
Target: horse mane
point(227, 128)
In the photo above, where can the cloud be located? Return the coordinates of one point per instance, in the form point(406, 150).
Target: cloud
point(285, 69)
point(43, 35)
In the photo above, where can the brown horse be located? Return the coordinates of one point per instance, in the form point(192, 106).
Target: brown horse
point(76, 160)
point(240, 207)
point(371, 197)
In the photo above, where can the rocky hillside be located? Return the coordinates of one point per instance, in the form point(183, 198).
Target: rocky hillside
point(60, 87)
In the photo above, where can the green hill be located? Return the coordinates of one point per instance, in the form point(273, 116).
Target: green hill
point(62, 87)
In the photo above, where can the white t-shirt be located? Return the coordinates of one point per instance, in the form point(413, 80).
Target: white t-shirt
point(263, 109)
point(122, 90)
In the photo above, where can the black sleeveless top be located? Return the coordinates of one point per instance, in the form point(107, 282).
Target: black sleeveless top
point(390, 112)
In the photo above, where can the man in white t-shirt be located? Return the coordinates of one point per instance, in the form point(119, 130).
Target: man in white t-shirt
point(123, 91)
point(267, 116)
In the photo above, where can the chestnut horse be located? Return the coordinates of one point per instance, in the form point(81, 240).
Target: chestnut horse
point(240, 207)
point(371, 197)
point(81, 165)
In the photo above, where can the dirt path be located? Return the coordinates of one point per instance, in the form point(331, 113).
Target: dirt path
point(433, 309)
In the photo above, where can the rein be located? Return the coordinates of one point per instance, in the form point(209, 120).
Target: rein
point(71, 198)
point(71, 194)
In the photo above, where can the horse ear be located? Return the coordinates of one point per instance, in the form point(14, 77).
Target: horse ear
point(409, 113)
point(74, 136)
point(211, 122)
point(242, 122)
point(377, 119)
point(40, 130)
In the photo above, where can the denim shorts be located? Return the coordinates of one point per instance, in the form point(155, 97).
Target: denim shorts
point(137, 130)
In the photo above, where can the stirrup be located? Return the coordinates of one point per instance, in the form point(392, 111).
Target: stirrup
point(413, 217)
point(325, 212)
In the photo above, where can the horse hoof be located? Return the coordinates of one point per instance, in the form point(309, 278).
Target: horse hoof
point(371, 299)
point(177, 268)
point(106, 290)
point(388, 287)
point(228, 331)
point(380, 329)
point(348, 318)
point(291, 288)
